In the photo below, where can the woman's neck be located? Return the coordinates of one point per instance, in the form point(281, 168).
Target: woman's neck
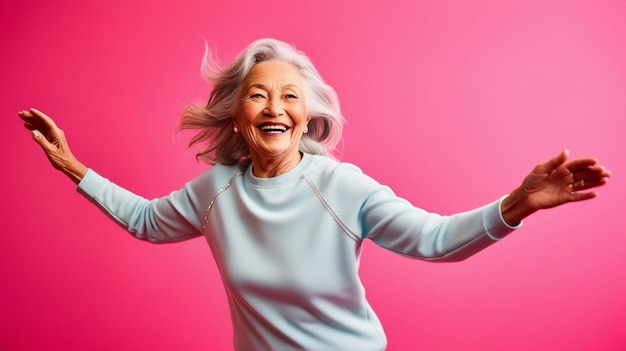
point(264, 167)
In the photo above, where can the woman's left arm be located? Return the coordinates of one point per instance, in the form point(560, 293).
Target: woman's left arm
point(554, 183)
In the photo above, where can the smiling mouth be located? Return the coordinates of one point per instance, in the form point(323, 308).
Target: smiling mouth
point(271, 128)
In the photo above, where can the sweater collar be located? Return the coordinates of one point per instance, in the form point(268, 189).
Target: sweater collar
point(288, 177)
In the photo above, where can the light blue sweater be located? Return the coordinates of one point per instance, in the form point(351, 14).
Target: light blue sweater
point(288, 247)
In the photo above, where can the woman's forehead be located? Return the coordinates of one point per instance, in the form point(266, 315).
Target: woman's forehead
point(274, 73)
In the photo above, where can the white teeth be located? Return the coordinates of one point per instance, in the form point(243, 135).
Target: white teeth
point(274, 129)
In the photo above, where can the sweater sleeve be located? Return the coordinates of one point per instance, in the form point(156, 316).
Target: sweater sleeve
point(172, 218)
point(368, 210)
point(396, 225)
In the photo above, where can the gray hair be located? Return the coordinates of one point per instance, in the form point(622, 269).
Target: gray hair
point(214, 121)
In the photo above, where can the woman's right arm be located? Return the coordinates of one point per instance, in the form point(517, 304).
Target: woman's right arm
point(172, 218)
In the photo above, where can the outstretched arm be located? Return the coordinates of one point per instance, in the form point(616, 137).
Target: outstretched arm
point(171, 218)
point(554, 183)
point(52, 140)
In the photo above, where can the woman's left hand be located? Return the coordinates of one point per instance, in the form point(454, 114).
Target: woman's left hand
point(553, 183)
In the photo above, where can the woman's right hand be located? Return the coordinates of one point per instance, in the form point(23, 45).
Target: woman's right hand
point(52, 140)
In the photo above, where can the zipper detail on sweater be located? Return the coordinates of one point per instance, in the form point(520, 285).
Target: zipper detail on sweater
point(330, 210)
point(217, 193)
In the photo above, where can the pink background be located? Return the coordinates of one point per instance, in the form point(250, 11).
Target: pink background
point(449, 103)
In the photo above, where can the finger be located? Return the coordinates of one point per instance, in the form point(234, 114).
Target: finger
point(33, 122)
point(40, 139)
point(28, 116)
point(554, 163)
point(29, 126)
point(583, 196)
point(600, 171)
point(48, 140)
point(591, 173)
point(37, 132)
point(584, 184)
point(590, 177)
point(581, 163)
point(47, 121)
point(37, 119)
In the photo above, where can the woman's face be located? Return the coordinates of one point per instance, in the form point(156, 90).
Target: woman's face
point(272, 113)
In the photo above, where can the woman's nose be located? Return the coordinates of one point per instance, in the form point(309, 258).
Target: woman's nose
point(274, 108)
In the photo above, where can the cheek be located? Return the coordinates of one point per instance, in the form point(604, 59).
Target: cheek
point(299, 113)
point(247, 112)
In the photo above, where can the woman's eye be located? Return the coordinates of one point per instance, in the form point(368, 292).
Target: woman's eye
point(290, 96)
point(256, 96)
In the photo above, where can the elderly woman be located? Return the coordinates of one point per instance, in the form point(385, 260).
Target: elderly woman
point(285, 221)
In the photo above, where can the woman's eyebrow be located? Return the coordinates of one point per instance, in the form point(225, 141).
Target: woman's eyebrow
point(264, 87)
point(257, 85)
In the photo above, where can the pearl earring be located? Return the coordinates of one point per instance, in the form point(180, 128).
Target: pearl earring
point(306, 130)
point(235, 129)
